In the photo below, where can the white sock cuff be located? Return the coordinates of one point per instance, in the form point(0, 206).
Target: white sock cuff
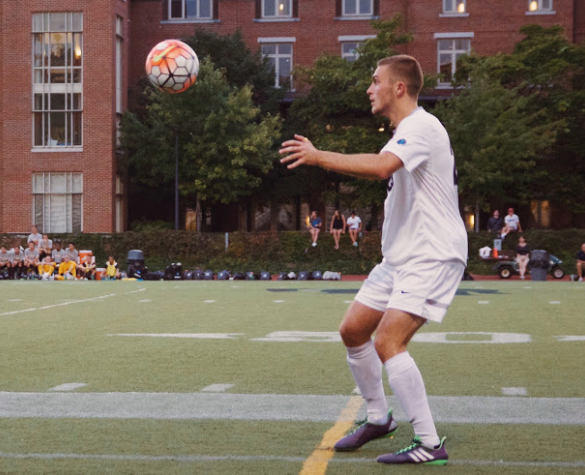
point(398, 364)
point(361, 351)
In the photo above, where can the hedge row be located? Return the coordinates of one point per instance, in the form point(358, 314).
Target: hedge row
point(286, 251)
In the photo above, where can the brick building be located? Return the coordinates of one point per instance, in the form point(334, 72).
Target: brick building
point(67, 65)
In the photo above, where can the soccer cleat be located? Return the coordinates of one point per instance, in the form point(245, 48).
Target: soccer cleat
point(417, 453)
point(366, 432)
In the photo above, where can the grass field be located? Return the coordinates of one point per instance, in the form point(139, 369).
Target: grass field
point(250, 378)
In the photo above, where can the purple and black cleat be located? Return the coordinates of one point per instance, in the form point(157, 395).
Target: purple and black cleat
point(417, 453)
point(366, 432)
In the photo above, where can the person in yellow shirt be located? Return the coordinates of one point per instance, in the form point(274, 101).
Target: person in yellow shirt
point(112, 272)
point(67, 269)
point(46, 269)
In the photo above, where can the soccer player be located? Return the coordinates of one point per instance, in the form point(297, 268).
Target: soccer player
point(67, 269)
point(5, 261)
point(424, 245)
point(17, 262)
point(46, 269)
point(31, 259)
point(581, 262)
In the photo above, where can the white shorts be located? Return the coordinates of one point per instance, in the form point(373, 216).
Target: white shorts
point(425, 290)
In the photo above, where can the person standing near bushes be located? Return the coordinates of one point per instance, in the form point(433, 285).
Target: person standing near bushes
point(522, 256)
point(337, 227)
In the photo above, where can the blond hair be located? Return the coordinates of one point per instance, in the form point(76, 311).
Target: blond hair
point(406, 69)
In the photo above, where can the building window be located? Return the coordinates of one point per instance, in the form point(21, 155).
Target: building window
point(276, 8)
point(280, 56)
point(190, 9)
point(540, 5)
point(58, 202)
point(358, 7)
point(449, 50)
point(348, 50)
point(57, 79)
point(119, 64)
point(454, 6)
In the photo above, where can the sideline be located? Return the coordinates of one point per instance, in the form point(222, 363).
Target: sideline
point(317, 463)
point(56, 305)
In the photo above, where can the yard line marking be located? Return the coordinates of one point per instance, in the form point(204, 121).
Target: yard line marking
point(554, 302)
point(280, 407)
point(68, 387)
point(202, 336)
point(317, 463)
point(145, 301)
point(262, 458)
point(217, 388)
point(14, 300)
point(56, 305)
point(356, 391)
point(135, 291)
point(347, 301)
point(570, 338)
point(209, 301)
point(279, 301)
point(514, 392)
point(483, 302)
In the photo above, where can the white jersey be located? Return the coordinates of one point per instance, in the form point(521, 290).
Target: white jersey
point(512, 221)
point(421, 213)
point(354, 223)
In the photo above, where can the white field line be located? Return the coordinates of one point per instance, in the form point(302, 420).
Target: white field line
point(280, 407)
point(26, 310)
point(68, 387)
point(263, 458)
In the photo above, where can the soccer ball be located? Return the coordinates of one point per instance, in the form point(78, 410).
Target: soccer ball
point(172, 66)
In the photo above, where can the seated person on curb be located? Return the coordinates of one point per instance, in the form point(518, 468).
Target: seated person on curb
point(112, 272)
point(581, 262)
point(57, 254)
point(512, 223)
point(17, 262)
point(31, 258)
point(522, 256)
point(46, 269)
point(495, 223)
point(45, 247)
point(67, 269)
point(315, 228)
point(72, 252)
point(354, 224)
point(86, 269)
point(5, 261)
point(34, 236)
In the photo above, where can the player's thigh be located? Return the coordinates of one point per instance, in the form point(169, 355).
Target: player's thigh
point(395, 331)
point(358, 324)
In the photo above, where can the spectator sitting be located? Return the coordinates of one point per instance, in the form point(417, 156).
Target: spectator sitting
point(34, 236)
point(512, 223)
point(67, 269)
point(46, 269)
point(31, 259)
point(72, 253)
point(354, 223)
point(17, 262)
point(5, 261)
point(581, 262)
point(522, 256)
point(337, 227)
point(315, 228)
point(495, 223)
point(45, 247)
point(112, 272)
point(57, 254)
point(86, 269)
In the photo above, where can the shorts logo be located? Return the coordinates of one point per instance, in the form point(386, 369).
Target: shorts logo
point(401, 142)
point(390, 184)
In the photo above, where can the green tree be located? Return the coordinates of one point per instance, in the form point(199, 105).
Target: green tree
point(226, 144)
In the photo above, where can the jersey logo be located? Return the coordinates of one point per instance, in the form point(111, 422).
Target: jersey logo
point(390, 184)
point(401, 142)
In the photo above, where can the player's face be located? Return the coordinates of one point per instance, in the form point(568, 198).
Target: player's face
point(381, 91)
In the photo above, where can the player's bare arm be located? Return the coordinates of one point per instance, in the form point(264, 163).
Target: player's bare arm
point(371, 166)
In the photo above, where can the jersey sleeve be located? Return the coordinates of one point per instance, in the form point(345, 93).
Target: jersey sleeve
point(410, 144)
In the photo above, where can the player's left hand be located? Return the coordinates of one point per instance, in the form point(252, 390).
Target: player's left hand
point(300, 152)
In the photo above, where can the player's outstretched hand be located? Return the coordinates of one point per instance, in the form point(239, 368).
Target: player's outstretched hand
point(300, 152)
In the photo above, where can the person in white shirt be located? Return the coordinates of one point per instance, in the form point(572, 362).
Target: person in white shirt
point(354, 223)
point(511, 223)
point(34, 236)
point(424, 245)
point(45, 247)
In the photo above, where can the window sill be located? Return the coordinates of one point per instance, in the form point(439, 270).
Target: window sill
point(453, 15)
point(274, 20)
point(178, 21)
point(57, 149)
point(547, 12)
point(351, 18)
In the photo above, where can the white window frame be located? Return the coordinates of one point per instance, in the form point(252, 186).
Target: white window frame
point(454, 52)
point(119, 64)
point(43, 90)
point(540, 8)
point(277, 15)
point(192, 17)
point(358, 40)
point(357, 13)
point(277, 42)
point(42, 186)
point(454, 10)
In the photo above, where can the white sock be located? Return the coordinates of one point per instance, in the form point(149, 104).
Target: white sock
point(366, 368)
point(409, 388)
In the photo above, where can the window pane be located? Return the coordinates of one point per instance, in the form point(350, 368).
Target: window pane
point(38, 126)
point(190, 8)
point(446, 66)
point(38, 202)
point(57, 130)
point(205, 8)
point(58, 183)
point(268, 49)
point(57, 213)
point(77, 22)
point(75, 213)
point(57, 76)
point(269, 7)
point(176, 9)
point(462, 45)
point(77, 179)
point(284, 70)
point(38, 50)
point(445, 45)
point(77, 49)
point(448, 5)
point(349, 7)
point(37, 22)
point(546, 4)
point(285, 48)
point(57, 22)
point(76, 102)
point(76, 128)
point(366, 7)
point(57, 101)
point(284, 7)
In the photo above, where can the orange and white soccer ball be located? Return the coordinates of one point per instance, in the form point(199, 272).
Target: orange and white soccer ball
point(172, 66)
